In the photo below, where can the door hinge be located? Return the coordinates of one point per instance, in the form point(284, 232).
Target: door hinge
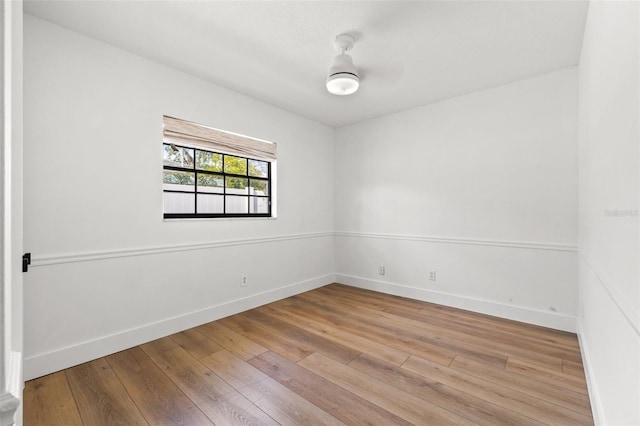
point(26, 261)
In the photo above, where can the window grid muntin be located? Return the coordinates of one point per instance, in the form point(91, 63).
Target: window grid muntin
point(224, 193)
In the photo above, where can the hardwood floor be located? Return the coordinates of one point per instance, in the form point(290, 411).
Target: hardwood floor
point(335, 355)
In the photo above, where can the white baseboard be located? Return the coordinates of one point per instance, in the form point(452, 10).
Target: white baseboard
point(9, 406)
point(518, 313)
point(11, 398)
point(59, 359)
point(594, 396)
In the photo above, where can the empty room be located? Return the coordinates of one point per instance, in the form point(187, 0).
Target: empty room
point(320, 212)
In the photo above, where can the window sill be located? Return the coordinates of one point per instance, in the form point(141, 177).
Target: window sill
point(216, 219)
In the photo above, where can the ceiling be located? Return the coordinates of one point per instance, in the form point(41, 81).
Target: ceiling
point(408, 53)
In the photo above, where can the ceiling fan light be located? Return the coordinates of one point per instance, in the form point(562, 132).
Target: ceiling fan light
point(343, 84)
point(343, 76)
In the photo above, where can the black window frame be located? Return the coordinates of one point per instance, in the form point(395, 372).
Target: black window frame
point(224, 194)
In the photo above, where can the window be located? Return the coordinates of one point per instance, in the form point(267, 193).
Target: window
point(205, 178)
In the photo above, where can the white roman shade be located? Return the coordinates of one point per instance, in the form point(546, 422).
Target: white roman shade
point(194, 135)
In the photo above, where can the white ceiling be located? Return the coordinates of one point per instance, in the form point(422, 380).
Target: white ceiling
point(408, 53)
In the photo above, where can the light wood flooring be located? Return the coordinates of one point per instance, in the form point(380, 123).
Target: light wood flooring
point(335, 355)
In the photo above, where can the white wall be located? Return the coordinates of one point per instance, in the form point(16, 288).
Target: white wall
point(108, 272)
point(609, 188)
point(481, 188)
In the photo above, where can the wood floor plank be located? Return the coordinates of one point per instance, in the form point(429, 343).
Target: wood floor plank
point(573, 368)
point(195, 343)
point(419, 333)
point(234, 342)
point(396, 401)
point(567, 381)
point(476, 347)
point(284, 406)
point(333, 399)
point(381, 334)
point(370, 298)
point(544, 334)
point(101, 398)
point(541, 334)
point(454, 400)
point(158, 398)
point(575, 401)
point(461, 347)
point(48, 401)
point(493, 335)
point(233, 409)
point(267, 337)
point(159, 346)
point(505, 397)
point(337, 351)
point(233, 370)
point(314, 324)
point(194, 379)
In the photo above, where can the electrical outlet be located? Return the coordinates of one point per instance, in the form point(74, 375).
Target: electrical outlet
point(380, 270)
point(243, 282)
point(432, 275)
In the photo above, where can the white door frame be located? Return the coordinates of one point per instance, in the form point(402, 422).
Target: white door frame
point(11, 379)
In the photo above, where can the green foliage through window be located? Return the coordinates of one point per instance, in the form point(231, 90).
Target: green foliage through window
point(209, 161)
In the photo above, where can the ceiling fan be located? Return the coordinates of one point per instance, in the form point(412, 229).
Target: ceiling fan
point(343, 78)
